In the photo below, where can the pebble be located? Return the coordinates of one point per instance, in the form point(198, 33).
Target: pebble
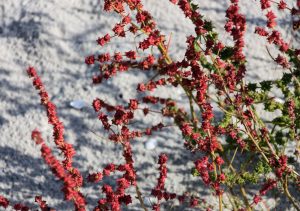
point(151, 144)
point(78, 104)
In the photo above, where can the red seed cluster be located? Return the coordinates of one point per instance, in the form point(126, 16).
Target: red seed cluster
point(210, 74)
point(274, 36)
point(63, 170)
point(159, 191)
point(4, 202)
point(42, 204)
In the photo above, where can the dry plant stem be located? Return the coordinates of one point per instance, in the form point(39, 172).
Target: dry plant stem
point(232, 159)
point(193, 114)
point(259, 122)
point(287, 193)
point(244, 194)
point(216, 174)
point(139, 197)
point(255, 143)
point(232, 198)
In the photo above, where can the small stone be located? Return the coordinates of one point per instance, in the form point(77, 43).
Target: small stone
point(279, 100)
point(147, 201)
point(151, 144)
point(78, 104)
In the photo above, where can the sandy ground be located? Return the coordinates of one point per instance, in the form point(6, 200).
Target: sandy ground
point(55, 36)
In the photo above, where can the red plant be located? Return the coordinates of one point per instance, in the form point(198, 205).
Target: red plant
point(211, 74)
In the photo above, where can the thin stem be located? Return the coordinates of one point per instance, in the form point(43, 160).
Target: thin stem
point(230, 164)
point(139, 197)
point(287, 193)
point(244, 194)
point(216, 175)
point(234, 198)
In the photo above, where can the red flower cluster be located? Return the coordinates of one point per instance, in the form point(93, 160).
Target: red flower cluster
point(42, 204)
point(269, 185)
point(265, 4)
point(113, 198)
point(282, 5)
point(204, 168)
point(236, 25)
point(280, 165)
point(271, 19)
point(103, 40)
point(207, 63)
point(5, 203)
point(64, 171)
point(159, 191)
point(274, 36)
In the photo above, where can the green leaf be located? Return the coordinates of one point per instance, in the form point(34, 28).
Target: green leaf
point(262, 168)
point(272, 105)
point(227, 117)
point(250, 177)
point(266, 85)
point(195, 172)
point(206, 64)
point(280, 138)
point(208, 25)
point(240, 180)
point(194, 7)
point(252, 86)
point(226, 53)
point(213, 36)
point(196, 46)
point(258, 96)
point(230, 179)
point(283, 121)
point(286, 78)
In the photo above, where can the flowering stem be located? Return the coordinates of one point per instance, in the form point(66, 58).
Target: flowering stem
point(259, 121)
point(293, 75)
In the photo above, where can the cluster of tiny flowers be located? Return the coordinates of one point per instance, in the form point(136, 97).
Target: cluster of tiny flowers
point(121, 117)
point(207, 63)
point(189, 74)
point(159, 191)
point(4, 202)
point(42, 204)
point(274, 36)
point(236, 25)
point(64, 171)
point(114, 199)
point(269, 185)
